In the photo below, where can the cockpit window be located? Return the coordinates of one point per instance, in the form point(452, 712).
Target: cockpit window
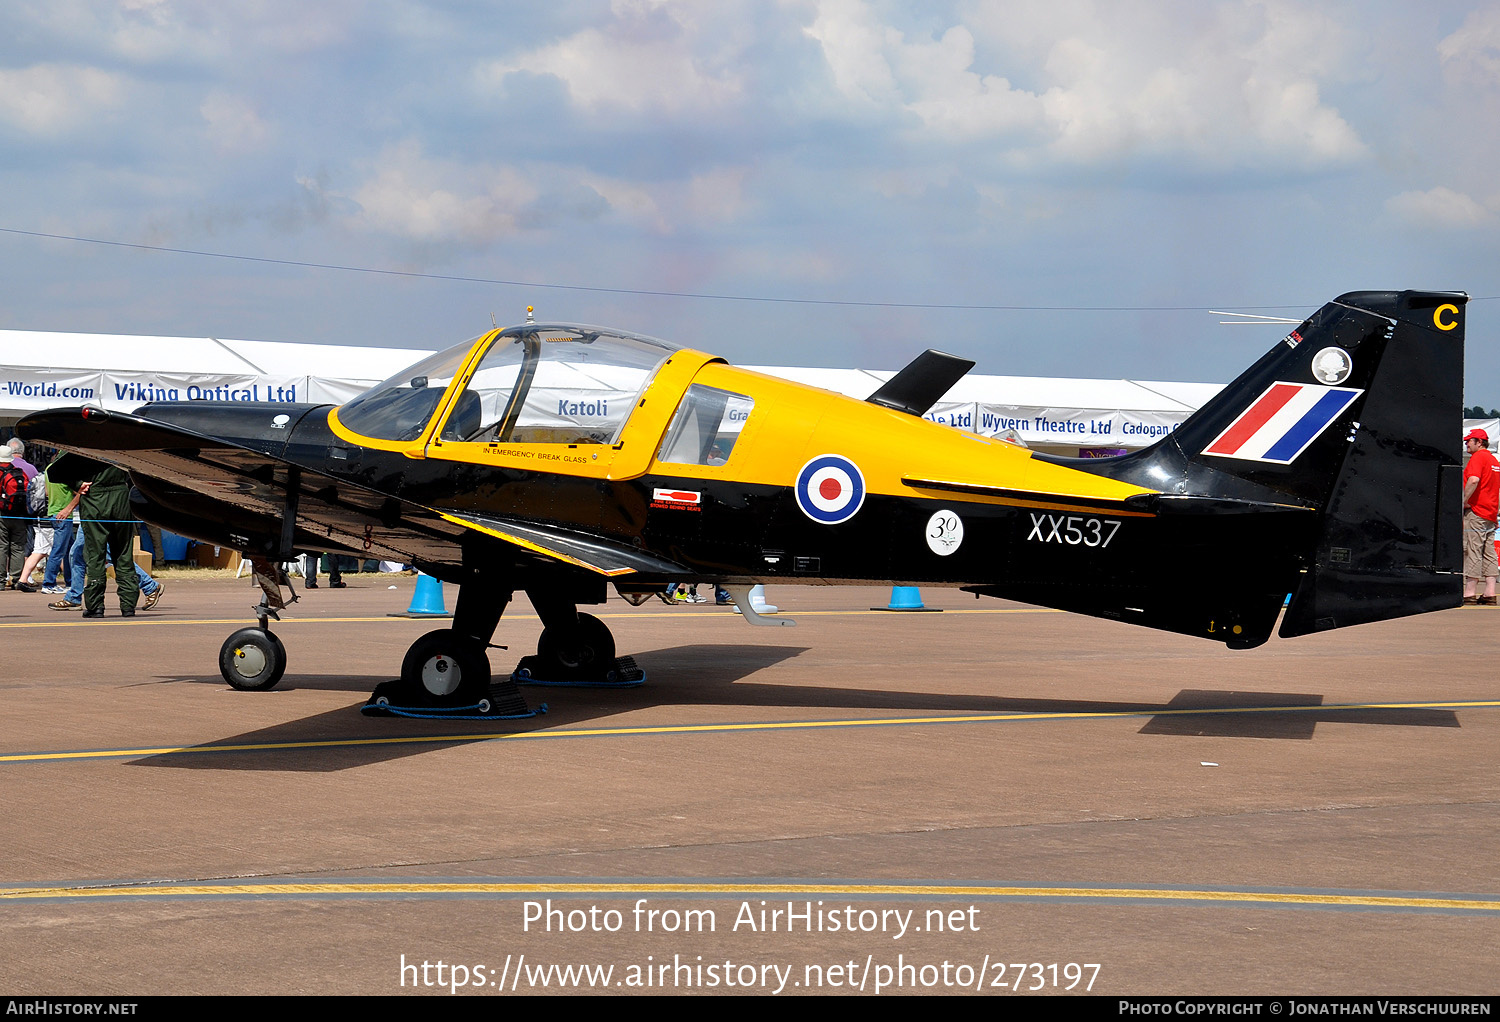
point(400, 408)
point(555, 385)
point(536, 384)
point(705, 427)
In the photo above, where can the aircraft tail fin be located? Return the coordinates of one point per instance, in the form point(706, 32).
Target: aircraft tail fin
point(1356, 414)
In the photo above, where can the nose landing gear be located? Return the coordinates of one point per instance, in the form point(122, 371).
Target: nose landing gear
point(253, 659)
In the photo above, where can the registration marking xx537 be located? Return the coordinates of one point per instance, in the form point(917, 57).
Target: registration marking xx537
point(1073, 529)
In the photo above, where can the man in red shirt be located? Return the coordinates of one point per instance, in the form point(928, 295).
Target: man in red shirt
point(1481, 504)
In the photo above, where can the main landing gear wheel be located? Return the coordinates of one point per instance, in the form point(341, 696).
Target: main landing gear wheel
point(584, 655)
point(588, 652)
point(252, 659)
point(447, 665)
point(446, 675)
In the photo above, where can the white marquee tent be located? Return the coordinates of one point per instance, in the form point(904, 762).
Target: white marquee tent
point(47, 370)
point(1040, 410)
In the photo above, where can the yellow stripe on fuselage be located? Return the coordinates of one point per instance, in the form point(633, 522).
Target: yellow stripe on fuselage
point(534, 547)
point(792, 423)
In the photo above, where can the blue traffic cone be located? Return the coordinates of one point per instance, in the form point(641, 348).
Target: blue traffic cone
point(907, 598)
point(426, 599)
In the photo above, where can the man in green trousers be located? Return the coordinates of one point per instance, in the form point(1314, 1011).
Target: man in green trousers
point(108, 527)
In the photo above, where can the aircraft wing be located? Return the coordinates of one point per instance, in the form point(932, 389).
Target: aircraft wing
point(221, 492)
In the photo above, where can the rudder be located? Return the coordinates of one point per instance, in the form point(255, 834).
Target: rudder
point(1390, 544)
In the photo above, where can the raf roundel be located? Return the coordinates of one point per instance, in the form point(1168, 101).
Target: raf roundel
point(830, 489)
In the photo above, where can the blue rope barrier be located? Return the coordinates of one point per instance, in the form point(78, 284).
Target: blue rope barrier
point(81, 521)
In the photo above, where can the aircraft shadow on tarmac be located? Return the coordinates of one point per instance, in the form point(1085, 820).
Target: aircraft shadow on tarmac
point(1293, 724)
point(712, 675)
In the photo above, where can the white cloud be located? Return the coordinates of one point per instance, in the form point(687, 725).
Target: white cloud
point(1473, 52)
point(854, 47)
point(875, 64)
point(1235, 82)
point(412, 196)
point(652, 57)
point(426, 200)
point(1287, 116)
point(1440, 207)
point(52, 99)
point(954, 100)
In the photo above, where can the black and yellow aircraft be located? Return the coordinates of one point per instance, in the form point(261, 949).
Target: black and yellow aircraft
point(559, 460)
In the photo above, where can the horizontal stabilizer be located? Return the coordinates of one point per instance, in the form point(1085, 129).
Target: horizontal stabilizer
point(917, 387)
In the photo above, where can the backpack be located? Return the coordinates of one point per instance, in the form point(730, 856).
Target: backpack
point(36, 494)
point(12, 492)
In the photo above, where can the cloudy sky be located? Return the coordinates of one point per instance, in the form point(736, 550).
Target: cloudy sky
point(1051, 187)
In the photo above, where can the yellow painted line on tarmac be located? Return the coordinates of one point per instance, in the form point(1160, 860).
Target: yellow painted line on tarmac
point(1364, 900)
point(681, 729)
point(139, 619)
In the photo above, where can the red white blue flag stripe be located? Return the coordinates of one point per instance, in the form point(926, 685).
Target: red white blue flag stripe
point(1282, 422)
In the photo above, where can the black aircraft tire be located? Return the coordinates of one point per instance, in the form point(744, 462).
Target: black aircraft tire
point(591, 655)
point(448, 666)
point(280, 660)
point(252, 660)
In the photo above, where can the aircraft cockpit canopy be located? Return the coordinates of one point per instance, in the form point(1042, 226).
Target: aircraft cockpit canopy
point(537, 383)
point(400, 408)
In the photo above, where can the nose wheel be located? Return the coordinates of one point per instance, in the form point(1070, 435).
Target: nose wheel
point(252, 659)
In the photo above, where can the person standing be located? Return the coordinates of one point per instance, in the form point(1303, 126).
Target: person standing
point(41, 531)
point(13, 520)
point(62, 504)
point(73, 549)
point(108, 527)
point(18, 448)
point(1481, 505)
point(335, 578)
